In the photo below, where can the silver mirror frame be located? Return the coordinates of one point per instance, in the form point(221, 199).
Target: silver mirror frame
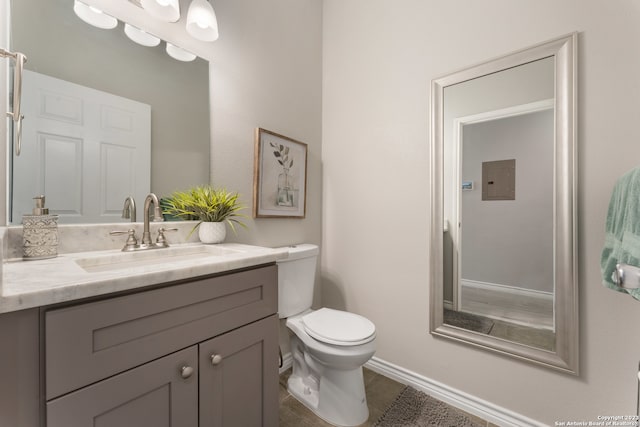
point(565, 357)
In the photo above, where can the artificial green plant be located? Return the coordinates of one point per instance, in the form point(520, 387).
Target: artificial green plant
point(206, 204)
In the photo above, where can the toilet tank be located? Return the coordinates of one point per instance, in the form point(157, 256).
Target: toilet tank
point(296, 278)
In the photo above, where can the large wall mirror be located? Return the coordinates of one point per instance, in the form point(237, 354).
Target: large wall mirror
point(503, 231)
point(105, 117)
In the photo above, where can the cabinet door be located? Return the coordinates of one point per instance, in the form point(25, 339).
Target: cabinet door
point(153, 395)
point(239, 377)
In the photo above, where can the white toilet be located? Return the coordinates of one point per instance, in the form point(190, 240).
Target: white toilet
point(328, 346)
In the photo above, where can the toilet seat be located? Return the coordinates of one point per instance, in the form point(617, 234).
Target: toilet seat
point(338, 327)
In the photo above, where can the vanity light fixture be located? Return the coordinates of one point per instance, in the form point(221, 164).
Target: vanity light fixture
point(201, 21)
point(180, 54)
point(165, 10)
point(141, 37)
point(93, 16)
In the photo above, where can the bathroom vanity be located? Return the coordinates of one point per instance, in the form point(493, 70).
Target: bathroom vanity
point(185, 341)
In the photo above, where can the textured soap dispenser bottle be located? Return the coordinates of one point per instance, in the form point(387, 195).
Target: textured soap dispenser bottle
point(39, 232)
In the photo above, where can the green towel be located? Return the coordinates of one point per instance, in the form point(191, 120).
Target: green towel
point(622, 242)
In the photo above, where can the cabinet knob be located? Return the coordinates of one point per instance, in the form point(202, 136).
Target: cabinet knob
point(216, 359)
point(186, 372)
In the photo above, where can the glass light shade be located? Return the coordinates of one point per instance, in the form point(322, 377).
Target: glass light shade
point(201, 21)
point(180, 54)
point(93, 16)
point(140, 37)
point(165, 10)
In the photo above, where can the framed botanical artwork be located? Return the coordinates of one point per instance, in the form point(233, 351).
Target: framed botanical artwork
point(279, 176)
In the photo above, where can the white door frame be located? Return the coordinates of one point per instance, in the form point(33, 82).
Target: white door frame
point(455, 224)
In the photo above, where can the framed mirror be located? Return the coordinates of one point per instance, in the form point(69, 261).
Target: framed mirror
point(503, 204)
point(105, 117)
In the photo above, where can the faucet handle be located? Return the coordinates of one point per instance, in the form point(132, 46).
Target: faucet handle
point(131, 243)
point(161, 240)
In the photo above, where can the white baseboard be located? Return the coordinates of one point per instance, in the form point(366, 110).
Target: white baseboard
point(531, 293)
point(468, 403)
point(471, 404)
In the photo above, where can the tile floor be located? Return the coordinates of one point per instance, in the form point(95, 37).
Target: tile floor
point(381, 392)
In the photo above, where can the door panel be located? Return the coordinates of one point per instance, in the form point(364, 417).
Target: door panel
point(110, 159)
point(153, 395)
point(242, 389)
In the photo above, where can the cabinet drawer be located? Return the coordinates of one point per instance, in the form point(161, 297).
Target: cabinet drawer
point(88, 342)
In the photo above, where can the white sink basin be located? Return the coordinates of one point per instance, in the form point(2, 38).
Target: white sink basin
point(127, 260)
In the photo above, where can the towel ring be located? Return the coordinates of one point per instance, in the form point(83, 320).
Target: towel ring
point(626, 276)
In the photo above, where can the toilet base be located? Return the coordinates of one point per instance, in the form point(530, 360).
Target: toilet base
point(337, 396)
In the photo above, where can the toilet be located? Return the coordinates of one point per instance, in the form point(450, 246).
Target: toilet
point(328, 347)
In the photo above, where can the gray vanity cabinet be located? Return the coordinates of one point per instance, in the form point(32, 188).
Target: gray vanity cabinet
point(197, 353)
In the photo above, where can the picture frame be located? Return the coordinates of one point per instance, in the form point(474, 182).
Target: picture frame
point(279, 176)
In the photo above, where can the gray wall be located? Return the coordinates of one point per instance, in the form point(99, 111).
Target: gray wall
point(267, 73)
point(379, 58)
point(57, 43)
point(510, 242)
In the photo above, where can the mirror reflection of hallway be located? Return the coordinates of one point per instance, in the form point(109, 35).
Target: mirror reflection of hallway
point(506, 241)
point(503, 191)
point(501, 169)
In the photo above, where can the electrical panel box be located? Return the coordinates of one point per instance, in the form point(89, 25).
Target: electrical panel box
point(499, 180)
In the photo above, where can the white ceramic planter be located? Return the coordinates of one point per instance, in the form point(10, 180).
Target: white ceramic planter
point(212, 232)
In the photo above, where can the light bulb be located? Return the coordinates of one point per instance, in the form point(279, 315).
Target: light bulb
point(94, 16)
point(178, 53)
point(165, 10)
point(141, 37)
point(201, 21)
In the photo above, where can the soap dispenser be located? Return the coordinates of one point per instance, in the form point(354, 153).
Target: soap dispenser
point(39, 232)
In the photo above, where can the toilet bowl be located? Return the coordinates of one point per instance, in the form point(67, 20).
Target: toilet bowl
point(328, 347)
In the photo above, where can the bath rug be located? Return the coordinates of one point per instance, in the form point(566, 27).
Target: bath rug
point(413, 408)
point(468, 321)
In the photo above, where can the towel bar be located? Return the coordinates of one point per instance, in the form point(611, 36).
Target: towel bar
point(20, 59)
point(626, 276)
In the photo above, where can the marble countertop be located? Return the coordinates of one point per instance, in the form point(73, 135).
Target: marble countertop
point(27, 284)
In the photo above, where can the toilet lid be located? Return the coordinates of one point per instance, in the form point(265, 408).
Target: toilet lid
point(338, 327)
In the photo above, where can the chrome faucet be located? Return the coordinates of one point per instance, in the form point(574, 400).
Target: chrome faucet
point(146, 243)
point(129, 209)
point(157, 216)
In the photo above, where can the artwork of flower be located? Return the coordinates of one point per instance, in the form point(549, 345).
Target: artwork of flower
point(279, 176)
point(285, 196)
